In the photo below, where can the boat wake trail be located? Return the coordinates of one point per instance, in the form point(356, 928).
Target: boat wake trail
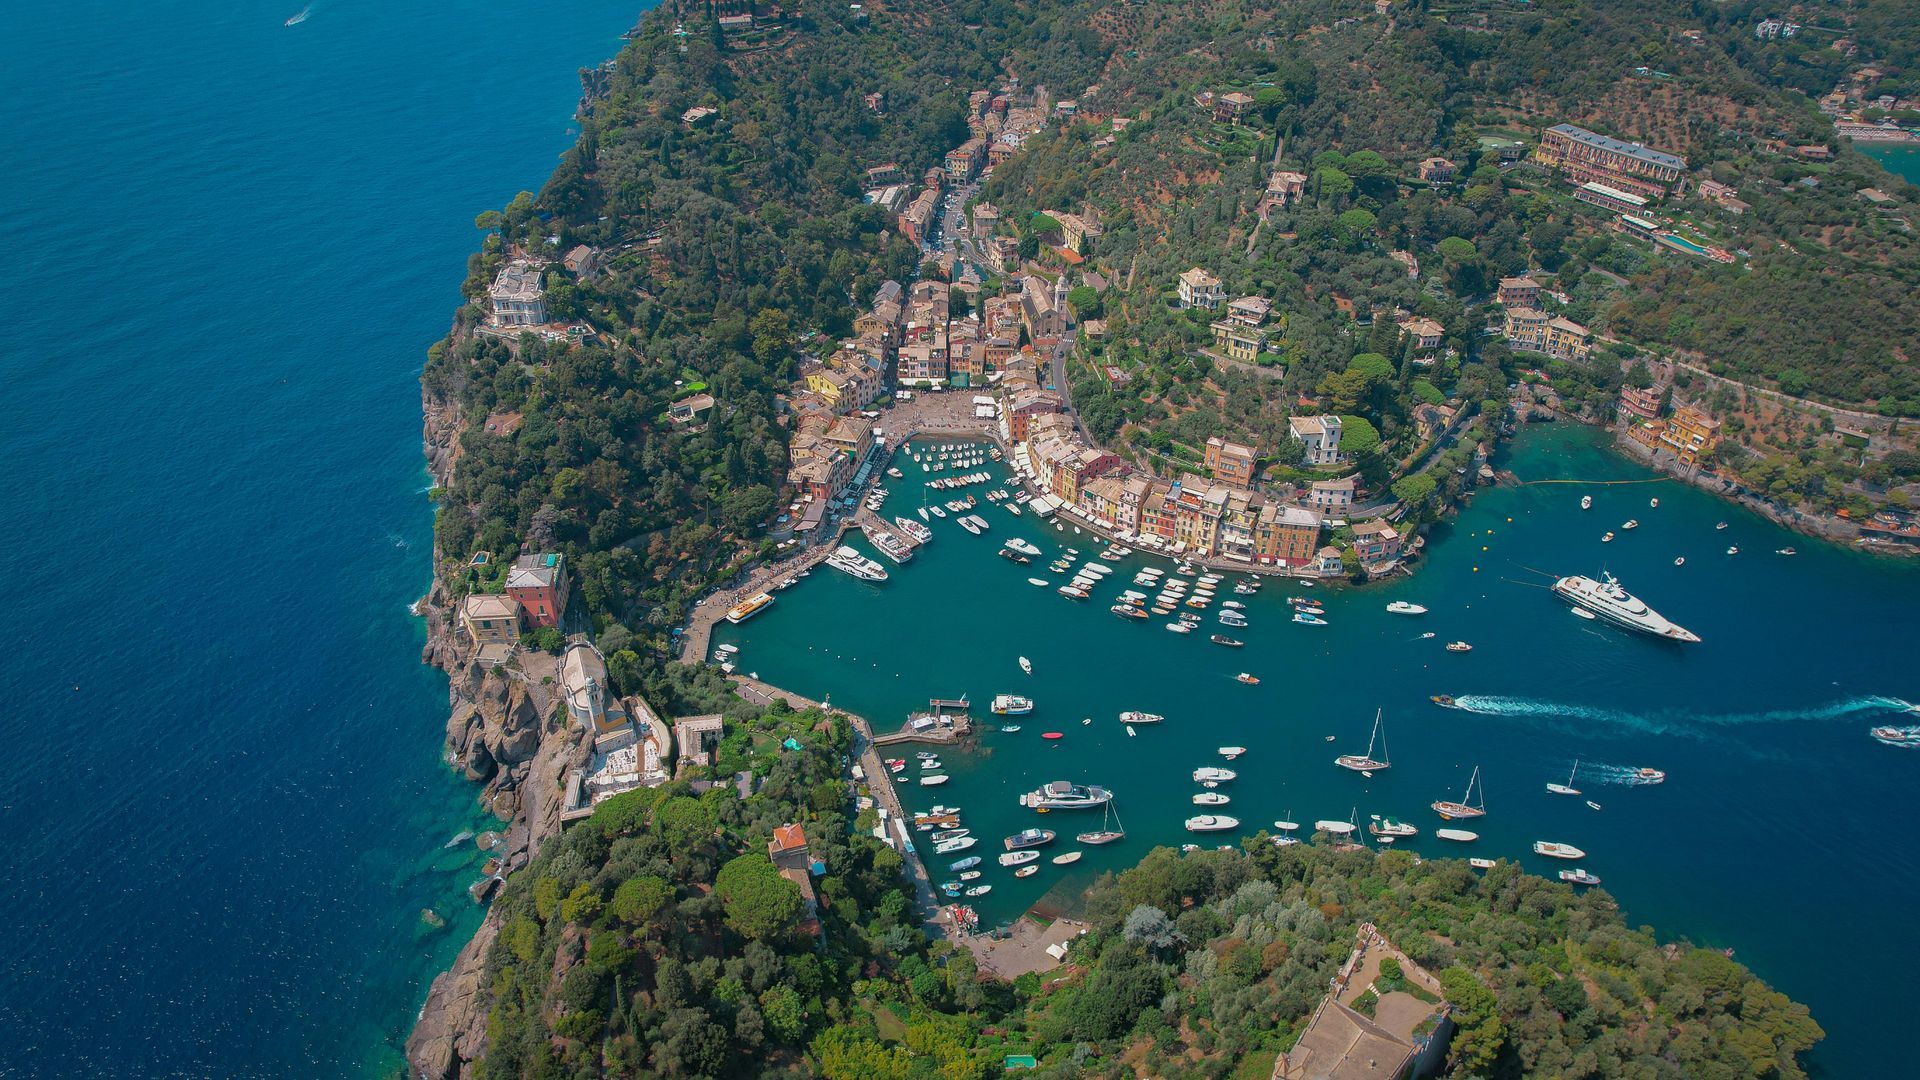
point(1598, 772)
point(1588, 717)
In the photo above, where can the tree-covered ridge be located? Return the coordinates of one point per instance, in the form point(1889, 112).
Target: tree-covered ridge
point(656, 940)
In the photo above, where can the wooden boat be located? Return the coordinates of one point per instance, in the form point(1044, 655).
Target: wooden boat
point(1066, 858)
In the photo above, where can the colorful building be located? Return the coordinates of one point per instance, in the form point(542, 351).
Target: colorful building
point(540, 584)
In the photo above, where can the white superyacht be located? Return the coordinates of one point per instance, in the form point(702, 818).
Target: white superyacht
point(1606, 599)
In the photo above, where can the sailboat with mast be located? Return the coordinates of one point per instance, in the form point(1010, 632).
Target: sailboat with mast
point(1567, 788)
point(1365, 764)
point(1110, 829)
point(1466, 807)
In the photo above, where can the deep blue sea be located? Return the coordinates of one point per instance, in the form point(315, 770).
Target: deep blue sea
point(228, 244)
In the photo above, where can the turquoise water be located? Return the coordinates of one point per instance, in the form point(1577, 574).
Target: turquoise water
point(1900, 159)
point(1771, 836)
point(229, 244)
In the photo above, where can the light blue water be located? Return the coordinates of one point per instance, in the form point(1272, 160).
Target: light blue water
point(228, 244)
point(1900, 159)
point(1780, 833)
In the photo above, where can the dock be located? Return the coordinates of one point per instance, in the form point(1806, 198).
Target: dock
point(945, 722)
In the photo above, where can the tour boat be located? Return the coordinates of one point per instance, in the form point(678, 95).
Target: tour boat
point(1459, 646)
point(1133, 717)
point(1018, 858)
point(1039, 582)
point(979, 890)
point(960, 843)
point(1211, 798)
point(1401, 607)
point(1209, 774)
point(1554, 850)
point(1480, 864)
point(1466, 807)
point(1308, 620)
point(1578, 876)
point(1065, 795)
point(1458, 836)
point(1106, 833)
point(1011, 705)
point(932, 781)
point(1029, 838)
point(747, 609)
point(1025, 871)
point(1250, 680)
point(1231, 752)
point(1586, 502)
point(1231, 643)
point(1365, 763)
point(1390, 827)
point(1066, 858)
point(1211, 823)
point(1026, 665)
point(967, 863)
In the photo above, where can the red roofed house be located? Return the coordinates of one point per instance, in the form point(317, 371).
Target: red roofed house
point(539, 582)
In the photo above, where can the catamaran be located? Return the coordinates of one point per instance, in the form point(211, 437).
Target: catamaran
point(1365, 763)
point(1466, 807)
point(1567, 788)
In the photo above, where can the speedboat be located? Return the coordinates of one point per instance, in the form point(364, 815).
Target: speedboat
point(1897, 736)
point(1231, 643)
point(1011, 705)
point(959, 843)
point(1401, 607)
point(1554, 850)
point(1133, 717)
point(1631, 523)
point(1645, 775)
point(1180, 627)
point(967, 863)
point(979, 890)
point(1022, 546)
point(1735, 550)
point(1211, 823)
point(1653, 504)
point(1029, 838)
point(1009, 728)
point(1607, 539)
point(1208, 774)
point(1250, 680)
point(1308, 620)
point(1018, 858)
point(1026, 665)
point(1127, 611)
point(1026, 871)
point(1386, 826)
point(1680, 560)
point(1445, 701)
point(1211, 798)
point(1721, 525)
point(1784, 551)
point(1578, 876)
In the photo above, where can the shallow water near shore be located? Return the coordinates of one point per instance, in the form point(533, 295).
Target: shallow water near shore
point(230, 244)
point(1767, 837)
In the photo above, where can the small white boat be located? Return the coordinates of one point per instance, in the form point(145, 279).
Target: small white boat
point(1584, 613)
point(1211, 775)
point(1459, 646)
point(1679, 561)
point(1567, 788)
point(1211, 798)
point(1066, 858)
point(1026, 665)
point(1133, 717)
point(1026, 871)
point(1211, 823)
point(1607, 539)
point(1721, 525)
point(932, 781)
point(1591, 805)
point(1586, 502)
point(1231, 752)
point(979, 890)
point(1401, 607)
point(1458, 836)
point(1553, 850)
point(1578, 876)
point(1784, 551)
point(1043, 583)
point(1480, 864)
point(1631, 523)
point(1653, 504)
point(1018, 858)
point(1735, 550)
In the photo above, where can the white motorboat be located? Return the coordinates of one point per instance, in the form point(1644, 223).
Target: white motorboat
point(967, 524)
point(1211, 798)
point(1553, 850)
point(1578, 876)
point(958, 843)
point(933, 781)
point(1065, 795)
point(1631, 523)
point(1401, 607)
point(1653, 503)
point(1211, 823)
point(1231, 752)
point(1586, 502)
point(1458, 836)
point(1133, 717)
point(1023, 547)
point(1065, 858)
point(1029, 838)
point(1480, 864)
point(1209, 774)
point(1018, 858)
point(1026, 665)
point(1040, 582)
point(1365, 763)
point(1011, 705)
point(915, 531)
point(849, 561)
point(1390, 828)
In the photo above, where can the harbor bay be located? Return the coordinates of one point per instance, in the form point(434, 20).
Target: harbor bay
point(1764, 837)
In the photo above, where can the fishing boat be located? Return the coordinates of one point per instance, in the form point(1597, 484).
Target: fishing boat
point(748, 608)
point(948, 847)
point(1554, 850)
point(1304, 619)
point(1467, 807)
point(967, 863)
point(1211, 823)
point(1231, 752)
point(849, 561)
point(1029, 838)
point(979, 890)
point(1567, 788)
point(1459, 646)
point(1231, 643)
point(1110, 828)
point(1250, 680)
point(933, 781)
point(1039, 583)
point(1578, 876)
point(1011, 705)
point(1458, 836)
point(1401, 607)
point(1390, 827)
point(1209, 774)
point(1211, 798)
point(1586, 502)
point(1065, 858)
point(1365, 763)
point(1066, 795)
point(1133, 717)
point(1026, 665)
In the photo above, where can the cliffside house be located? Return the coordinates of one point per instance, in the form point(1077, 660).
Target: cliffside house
point(1320, 435)
point(1201, 289)
point(540, 584)
point(491, 619)
point(515, 296)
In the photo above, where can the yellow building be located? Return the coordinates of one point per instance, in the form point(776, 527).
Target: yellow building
point(1242, 343)
point(1690, 434)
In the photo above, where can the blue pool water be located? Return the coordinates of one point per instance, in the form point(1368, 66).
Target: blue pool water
point(229, 243)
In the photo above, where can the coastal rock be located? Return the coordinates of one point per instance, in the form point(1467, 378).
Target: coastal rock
point(513, 734)
point(479, 762)
point(452, 1029)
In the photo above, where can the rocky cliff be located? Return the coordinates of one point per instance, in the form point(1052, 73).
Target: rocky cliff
point(506, 732)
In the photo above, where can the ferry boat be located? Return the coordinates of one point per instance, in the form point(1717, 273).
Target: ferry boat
point(1578, 876)
point(1567, 788)
point(1210, 774)
point(1554, 850)
point(1028, 838)
point(1231, 643)
point(1018, 858)
point(748, 608)
point(1065, 795)
point(1401, 607)
point(1466, 807)
point(1110, 829)
point(1132, 717)
point(915, 531)
point(849, 561)
point(1211, 798)
point(1609, 601)
point(1458, 836)
point(1011, 705)
point(1386, 826)
point(1365, 763)
point(1211, 823)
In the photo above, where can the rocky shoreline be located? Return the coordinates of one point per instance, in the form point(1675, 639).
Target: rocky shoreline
point(503, 732)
